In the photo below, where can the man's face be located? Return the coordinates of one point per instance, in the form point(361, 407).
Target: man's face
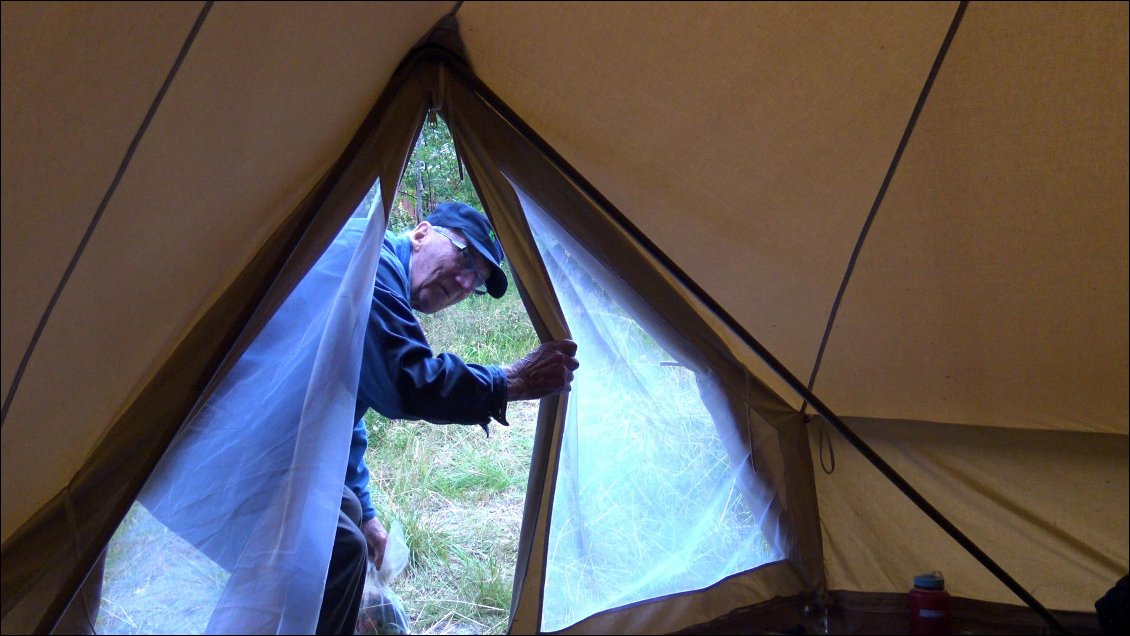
point(441, 275)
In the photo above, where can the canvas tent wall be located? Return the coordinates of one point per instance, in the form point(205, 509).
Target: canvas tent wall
point(980, 342)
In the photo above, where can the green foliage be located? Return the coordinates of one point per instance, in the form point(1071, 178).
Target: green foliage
point(437, 165)
point(433, 175)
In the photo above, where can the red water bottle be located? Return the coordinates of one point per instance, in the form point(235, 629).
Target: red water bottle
point(929, 605)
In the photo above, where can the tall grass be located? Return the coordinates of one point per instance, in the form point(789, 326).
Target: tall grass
point(457, 493)
point(155, 582)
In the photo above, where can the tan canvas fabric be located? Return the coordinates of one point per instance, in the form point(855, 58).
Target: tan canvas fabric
point(1048, 507)
point(992, 289)
point(760, 194)
point(189, 214)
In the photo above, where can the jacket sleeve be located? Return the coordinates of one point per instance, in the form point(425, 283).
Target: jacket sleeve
point(356, 473)
point(401, 378)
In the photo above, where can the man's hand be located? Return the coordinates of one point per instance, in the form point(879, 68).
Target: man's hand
point(547, 370)
point(377, 538)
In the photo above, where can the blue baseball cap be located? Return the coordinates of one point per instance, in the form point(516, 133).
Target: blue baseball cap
point(479, 233)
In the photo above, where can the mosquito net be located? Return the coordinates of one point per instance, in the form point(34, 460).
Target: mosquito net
point(233, 531)
point(654, 495)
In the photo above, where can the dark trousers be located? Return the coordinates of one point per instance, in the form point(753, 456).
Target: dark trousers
point(346, 580)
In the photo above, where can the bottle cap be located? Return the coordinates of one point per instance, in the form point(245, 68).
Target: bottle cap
point(930, 581)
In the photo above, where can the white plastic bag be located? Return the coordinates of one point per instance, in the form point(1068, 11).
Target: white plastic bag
point(382, 611)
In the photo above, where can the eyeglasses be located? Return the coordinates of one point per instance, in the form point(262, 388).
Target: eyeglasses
point(466, 260)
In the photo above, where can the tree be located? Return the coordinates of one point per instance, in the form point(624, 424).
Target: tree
point(434, 174)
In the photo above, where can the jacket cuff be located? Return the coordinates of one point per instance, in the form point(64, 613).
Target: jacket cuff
point(499, 397)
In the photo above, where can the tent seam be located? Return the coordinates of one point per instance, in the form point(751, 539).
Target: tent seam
point(94, 221)
point(891, 169)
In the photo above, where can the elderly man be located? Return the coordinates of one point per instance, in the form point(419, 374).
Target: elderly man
point(437, 264)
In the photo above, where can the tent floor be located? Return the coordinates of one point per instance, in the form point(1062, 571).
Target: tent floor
point(875, 613)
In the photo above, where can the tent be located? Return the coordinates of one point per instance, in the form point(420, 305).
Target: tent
point(902, 228)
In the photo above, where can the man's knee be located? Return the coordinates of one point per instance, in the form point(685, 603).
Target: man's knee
point(351, 505)
point(350, 544)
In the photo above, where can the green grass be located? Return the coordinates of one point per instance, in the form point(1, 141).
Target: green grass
point(476, 477)
point(144, 564)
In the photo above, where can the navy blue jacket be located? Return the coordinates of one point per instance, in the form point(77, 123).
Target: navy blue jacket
point(400, 376)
